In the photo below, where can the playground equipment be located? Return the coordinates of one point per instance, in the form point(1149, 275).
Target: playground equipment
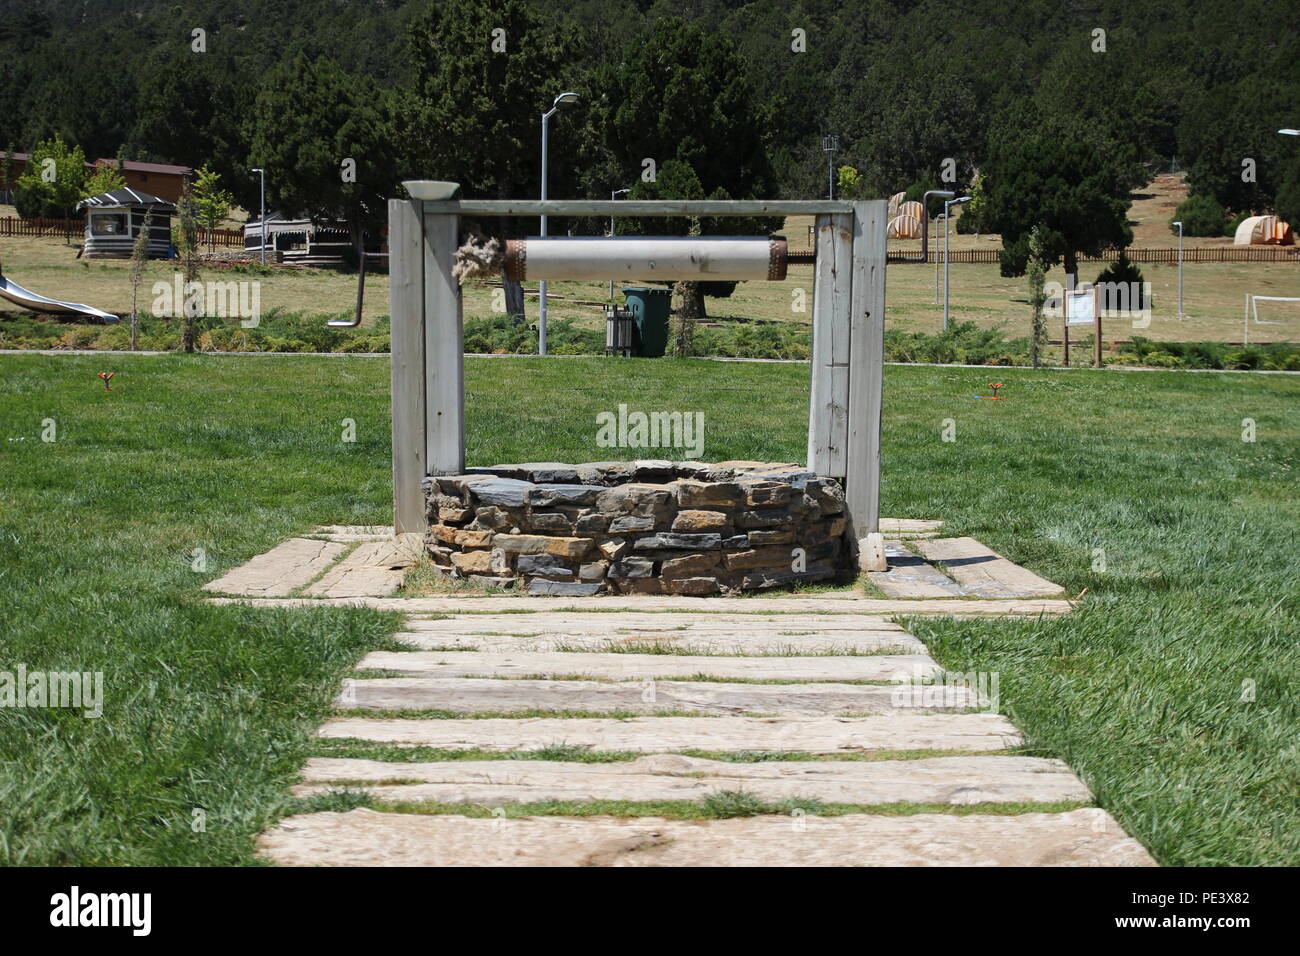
point(847, 327)
point(38, 303)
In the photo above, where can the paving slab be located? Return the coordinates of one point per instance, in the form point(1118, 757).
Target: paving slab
point(632, 623)
point(909, 576)
point(892, 526)
point(363, 837)
point(469, 695)
point(374, 568)
point(453, 604)
point(512, 664)
point(959, 781)
point(897, 731)
point(983, 572)
point(761, 644)
point(281, 570)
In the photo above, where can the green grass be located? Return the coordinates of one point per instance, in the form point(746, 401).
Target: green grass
point(213, 708)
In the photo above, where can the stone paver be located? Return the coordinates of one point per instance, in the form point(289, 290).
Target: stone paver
point(752, 644)
point(468, 695)
point(648, 666)
point(281, 570)
point(983, 572)
point(911, 577)
point(374, 568)
point(1086, 837)
point(896, 731)
point(942, 780)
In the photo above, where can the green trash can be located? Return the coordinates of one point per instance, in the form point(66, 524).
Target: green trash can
point(650, 308)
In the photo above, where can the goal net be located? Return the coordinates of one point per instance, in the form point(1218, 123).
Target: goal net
point(1251, 315)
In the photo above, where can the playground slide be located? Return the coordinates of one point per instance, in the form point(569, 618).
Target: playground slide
point(38, 303)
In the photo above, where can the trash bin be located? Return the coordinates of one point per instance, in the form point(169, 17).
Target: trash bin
point(650, 309)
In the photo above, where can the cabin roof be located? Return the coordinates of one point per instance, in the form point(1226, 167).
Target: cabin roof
point(126, 196)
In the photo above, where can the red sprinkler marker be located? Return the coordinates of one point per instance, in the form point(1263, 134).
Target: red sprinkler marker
point(995, 387)
point(104, 377)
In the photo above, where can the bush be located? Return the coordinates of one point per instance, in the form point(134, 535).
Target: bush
point(1123, 271)
point(1200, 216)
point(964, 344)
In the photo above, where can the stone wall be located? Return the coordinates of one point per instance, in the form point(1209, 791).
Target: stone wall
point(639, 527)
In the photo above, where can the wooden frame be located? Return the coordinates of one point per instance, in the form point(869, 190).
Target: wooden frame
point(847, 337)
point(1096, 323)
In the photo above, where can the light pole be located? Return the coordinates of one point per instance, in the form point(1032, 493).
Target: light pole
point(936, 258)
point(1289, 132)
point(560, 100)
point(1179, 224)
point(947, 204)
point(263, 243)
point(614, 194)
point(829, 145)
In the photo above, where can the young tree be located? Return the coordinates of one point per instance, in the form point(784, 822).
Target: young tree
point(211, 202)
point(139, 256)
point(1036, 270)
point(187, 253)
point(105, 179)
point(54, 177)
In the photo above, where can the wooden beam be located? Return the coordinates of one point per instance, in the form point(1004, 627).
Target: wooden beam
point(866, 382)
point(406, 306)
point(828, 410)
point(444, 362)
point(637, 207)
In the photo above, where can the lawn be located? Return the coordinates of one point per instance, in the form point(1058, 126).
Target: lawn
point(1171, 690)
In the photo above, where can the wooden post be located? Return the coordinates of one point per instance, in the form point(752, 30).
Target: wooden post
point(1096, 317)
point(444, 350)
point(867, 360)
point(828, 408)
point(406, 306)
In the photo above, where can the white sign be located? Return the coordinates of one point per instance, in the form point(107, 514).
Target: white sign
point(1080, 307)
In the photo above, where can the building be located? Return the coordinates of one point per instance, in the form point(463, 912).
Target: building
point(157, 179)
point(302, 242)
point(114, 220)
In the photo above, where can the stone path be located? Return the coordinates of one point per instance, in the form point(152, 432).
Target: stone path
point(820, 710)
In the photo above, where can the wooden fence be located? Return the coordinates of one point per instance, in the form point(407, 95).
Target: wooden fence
point(1170, 256)
point(14, 226)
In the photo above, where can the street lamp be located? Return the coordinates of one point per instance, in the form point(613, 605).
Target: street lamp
point(561, 100)
point(937, 219)
point(829, 145)
point(1289, 132)
point(614, 194)
point(263, 243)
point(947, 203)
point(1179, 224)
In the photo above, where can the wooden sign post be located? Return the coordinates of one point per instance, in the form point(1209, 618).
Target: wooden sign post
point(1081, 307)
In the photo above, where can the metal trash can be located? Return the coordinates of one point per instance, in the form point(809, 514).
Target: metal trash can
point(620, 331)
point(650, 308)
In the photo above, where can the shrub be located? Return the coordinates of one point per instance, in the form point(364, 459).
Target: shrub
point(1201, 216)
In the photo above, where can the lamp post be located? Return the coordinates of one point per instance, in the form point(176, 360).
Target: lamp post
point(1179, 224)
point(560, 100)
point(262, 172)
point(614, 194)
point(936, 258)
point(829, 145)
point(947, 204)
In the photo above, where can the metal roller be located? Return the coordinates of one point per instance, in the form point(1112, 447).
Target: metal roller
point(721, 258)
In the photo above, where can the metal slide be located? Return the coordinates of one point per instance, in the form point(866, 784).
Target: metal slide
point(38, 303)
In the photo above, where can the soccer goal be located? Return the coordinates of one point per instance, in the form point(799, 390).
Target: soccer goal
point(1251, 314)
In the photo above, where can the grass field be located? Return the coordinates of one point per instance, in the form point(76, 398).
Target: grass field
point(1171, 690)
point(1214, 293)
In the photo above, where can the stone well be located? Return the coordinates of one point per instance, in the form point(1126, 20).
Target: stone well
point(638, 527)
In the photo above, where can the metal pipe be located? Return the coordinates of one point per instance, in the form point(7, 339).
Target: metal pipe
point(652, 258)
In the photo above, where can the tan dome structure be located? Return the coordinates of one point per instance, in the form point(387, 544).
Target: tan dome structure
point(904, 226)
point(1263, 230)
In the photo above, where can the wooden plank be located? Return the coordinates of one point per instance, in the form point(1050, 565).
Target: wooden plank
point(866, 378)
point(762, 644)
point(406, 306)
point(634, 625)
point(908, 525)
point(641, 667)
point(952, 607)
point(982, 571)
point(828, 406)
point(959, 781)
point(470, 695)
point(897, 731)
point(444, 362)
point(637, 207)
point(281, 570)
point(369, 570)
point(364, 837)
